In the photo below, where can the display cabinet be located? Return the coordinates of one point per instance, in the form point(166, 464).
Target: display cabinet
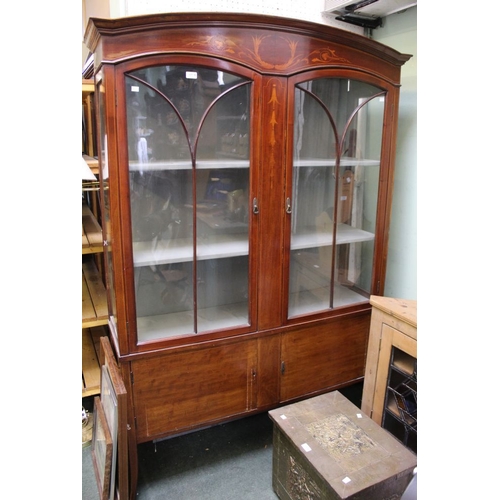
point(246, 167)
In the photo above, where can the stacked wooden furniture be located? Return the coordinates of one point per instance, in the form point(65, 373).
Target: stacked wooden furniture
point(246, 205)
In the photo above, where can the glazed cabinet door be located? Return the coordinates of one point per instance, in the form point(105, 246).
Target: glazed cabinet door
point(188, 177)
point(332, 192)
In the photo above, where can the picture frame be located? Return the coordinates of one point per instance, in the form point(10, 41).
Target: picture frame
point(109, 403)
point(102, 450)
point(119, 486)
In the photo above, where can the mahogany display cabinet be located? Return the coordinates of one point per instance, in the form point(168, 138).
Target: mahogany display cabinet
point(246, 169)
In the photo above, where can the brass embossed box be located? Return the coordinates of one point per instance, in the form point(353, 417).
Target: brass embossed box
point(326, 448)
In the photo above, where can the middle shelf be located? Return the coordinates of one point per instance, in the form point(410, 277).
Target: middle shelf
point(172, 165)
point(170, 251)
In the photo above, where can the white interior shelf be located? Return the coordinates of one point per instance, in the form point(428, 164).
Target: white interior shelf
point(232, 315)
point(182, 323)
point(345, 234)
point(148, 253)
point(236, 163)
point(346, 161)
point(319, 299)
point(187, 165)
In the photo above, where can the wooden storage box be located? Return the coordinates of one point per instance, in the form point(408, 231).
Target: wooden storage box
point(325, 447)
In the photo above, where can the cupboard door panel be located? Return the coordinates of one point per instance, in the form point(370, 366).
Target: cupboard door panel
point(321, 357)
point(179, 391)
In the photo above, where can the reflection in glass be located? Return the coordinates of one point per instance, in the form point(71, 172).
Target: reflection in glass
point(188, 147)
point(337, 142)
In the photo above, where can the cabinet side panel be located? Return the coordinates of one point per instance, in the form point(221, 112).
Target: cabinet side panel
point(322, 357)
point(178, 391)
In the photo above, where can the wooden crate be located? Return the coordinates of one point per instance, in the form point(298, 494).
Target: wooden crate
point(326, 448)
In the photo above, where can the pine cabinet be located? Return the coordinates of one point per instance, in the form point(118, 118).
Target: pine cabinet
point(246, 167)
point(390, 386)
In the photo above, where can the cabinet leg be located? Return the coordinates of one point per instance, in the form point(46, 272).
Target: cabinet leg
point(133, 467)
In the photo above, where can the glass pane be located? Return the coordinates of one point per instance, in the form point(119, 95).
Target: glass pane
point(222, 213)
point(189, 198)
point(358, 195)
point(106, 221)
point(337, 141)
point(400, 406)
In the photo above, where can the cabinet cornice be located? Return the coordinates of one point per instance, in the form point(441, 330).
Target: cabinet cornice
point(269, 44)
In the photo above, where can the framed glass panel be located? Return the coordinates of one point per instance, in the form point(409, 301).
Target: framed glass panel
point(106, 218)
point(189, 172)
point(336, 163)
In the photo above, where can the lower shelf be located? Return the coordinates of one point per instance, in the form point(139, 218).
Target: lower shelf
point(91, 363)
point(182, 323)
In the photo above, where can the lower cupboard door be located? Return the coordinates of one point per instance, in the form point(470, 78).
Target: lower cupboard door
point(175, 392)
point(321, 357)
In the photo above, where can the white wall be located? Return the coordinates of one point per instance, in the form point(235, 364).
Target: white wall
point(310, 10)
point(399, 31)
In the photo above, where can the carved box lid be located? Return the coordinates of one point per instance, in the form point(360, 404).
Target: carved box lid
point(344, 447)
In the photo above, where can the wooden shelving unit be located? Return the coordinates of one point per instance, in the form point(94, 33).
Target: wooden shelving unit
point(91, 365)
point(91, 232)
point(94, 306)
point(88, 113)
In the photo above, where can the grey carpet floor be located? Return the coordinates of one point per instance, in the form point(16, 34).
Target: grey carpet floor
point(231, 461)
point(227, 462)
